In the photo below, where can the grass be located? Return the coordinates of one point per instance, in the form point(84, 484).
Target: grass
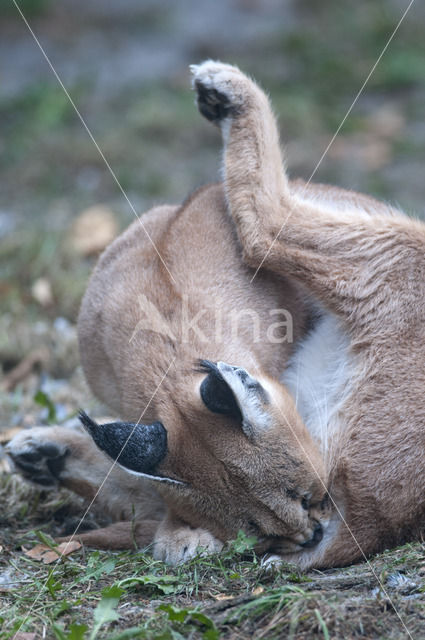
point(119, 595)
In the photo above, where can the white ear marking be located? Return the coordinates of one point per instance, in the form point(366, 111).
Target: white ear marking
point(249, 395)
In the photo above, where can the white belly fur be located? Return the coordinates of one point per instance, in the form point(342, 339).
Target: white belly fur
point(318, 377)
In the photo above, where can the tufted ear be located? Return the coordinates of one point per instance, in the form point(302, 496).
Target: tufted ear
point(233, 392)
point(139, 448)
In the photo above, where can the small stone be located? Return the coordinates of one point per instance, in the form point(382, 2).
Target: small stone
point(41, 291)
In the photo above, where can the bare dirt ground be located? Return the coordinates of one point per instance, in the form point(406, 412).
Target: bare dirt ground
point(126, 67)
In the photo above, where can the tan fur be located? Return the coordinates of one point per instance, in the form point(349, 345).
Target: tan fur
point(358, 259)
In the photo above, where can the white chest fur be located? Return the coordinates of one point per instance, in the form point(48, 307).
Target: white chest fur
point(318, 377)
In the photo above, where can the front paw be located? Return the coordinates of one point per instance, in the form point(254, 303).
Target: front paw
point(272, 562)
point(37, 458)
point(220, 89)
point(182, 544)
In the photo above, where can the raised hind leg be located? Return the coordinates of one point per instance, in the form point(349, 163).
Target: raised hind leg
point(352, 257)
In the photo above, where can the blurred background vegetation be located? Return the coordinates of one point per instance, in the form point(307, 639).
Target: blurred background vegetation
point(125, 65)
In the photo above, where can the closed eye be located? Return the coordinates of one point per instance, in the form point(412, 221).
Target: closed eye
point(305, 502)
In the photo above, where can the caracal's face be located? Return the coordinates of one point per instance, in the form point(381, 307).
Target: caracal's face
point(230, 453)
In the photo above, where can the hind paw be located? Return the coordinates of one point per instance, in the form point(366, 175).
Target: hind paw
point(221, 89)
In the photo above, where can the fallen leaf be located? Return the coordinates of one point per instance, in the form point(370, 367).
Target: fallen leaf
point(222, 596)
point(93, 230)
point(24, 635)
point(257, 591)
point(46, 555)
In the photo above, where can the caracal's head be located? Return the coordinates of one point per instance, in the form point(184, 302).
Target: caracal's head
point(229, 452)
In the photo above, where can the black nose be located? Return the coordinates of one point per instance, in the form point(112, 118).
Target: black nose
point(317, 537)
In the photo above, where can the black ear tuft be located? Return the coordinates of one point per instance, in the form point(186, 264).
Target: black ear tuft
point(138, 447)
point(216, 393)
point(205, 366)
